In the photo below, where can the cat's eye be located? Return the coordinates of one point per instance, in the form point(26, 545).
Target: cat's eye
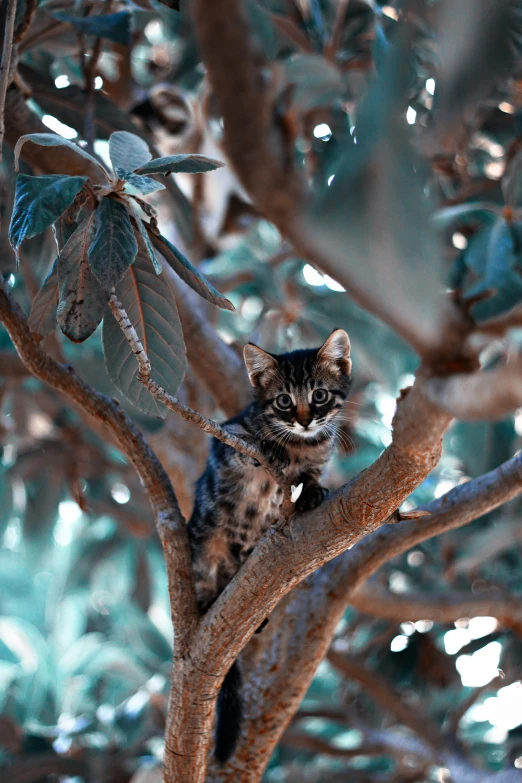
point(284, 401)
point(320, 396)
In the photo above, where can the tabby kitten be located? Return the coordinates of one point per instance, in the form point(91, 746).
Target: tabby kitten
point(296, 399)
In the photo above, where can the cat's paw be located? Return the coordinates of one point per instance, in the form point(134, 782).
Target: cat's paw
point(311, 497)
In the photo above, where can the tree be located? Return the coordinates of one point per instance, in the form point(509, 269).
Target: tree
point(326, 164)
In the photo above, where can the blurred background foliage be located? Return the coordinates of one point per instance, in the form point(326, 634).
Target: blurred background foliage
point(85, 634)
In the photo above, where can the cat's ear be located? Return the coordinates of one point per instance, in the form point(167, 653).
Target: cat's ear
point(335, 353)
point(261, 365)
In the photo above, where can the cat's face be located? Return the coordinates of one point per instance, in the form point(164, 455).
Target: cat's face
point(301, 392)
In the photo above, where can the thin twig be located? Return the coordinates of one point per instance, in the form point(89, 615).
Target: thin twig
point(25, 22)
point(5, 64)
point(333, 45)
point(89, 72)
point(208, 425)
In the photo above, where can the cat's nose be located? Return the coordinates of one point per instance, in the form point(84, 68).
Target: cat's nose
point(304, 420)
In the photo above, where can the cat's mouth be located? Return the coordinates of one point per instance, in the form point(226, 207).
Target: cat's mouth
point(309, 432)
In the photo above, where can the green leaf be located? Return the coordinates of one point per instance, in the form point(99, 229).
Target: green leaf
point(39, 201)
point(316, 81)
point(191, 275)
point(146, 240)
point(82, 299)
point(115, 27)
point(127, 151)
point(114, 247)
point(464, 213)
point(42, 318)
point(145, 185)
point(187, 164)
point(151, 307)
point(52, 140)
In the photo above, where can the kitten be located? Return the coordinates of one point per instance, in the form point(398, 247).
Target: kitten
point(296, 399)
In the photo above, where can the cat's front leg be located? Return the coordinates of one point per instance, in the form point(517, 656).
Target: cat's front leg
point(312, 495)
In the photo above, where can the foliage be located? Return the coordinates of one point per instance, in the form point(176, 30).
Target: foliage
point(413, 153)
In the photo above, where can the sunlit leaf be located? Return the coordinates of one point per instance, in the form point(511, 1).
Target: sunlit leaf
point(128, 151)
point(52, 140)
point(39, 201)
point(191, 275)
point(82, 299)
point(151, 307)
point(114, 246)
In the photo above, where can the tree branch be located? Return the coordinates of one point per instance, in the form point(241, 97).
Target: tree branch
point(169, 521)
point(439, 607)
point(282, 559)
point(307, 619)
point(480, 395)
point(5, 64)
point(384, 695)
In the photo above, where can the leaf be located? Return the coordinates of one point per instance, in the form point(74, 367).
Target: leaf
point(127, 151)
point(52, 140)
point(373, 224)
point(145, 185)
point(146, 240)
point(187, 164)
point(512, 182)
point(463, 213)
point(68, 104)
point(82, 300)
point(115, 27)
point(114, 246)
point(317, 82)
point(151, 307)
point(39, 201)
point(42, 318)
point(191, 275)
point(479, 41)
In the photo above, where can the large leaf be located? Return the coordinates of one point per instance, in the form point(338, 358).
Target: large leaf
point(82, 299)
point(479, 41)
point(187, 164)
point(42, 318)
point(128, 151)
point(372, 226)
point(52, 140)
point(115, 27)
point(114, 246)
point(190, 274)
point(151, 307)
point(39, 201)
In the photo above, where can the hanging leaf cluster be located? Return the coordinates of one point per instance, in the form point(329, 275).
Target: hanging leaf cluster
point(105, 243)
